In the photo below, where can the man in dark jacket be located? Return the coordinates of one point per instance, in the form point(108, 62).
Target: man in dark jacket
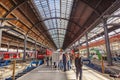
point(64, 61)
point(78, 65)
point(47, 60)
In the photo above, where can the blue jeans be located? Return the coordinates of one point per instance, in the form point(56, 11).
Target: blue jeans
point(68, 65)
point(61, 65)
point(64, 64)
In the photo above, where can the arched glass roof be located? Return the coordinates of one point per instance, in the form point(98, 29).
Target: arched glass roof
point(55, 8)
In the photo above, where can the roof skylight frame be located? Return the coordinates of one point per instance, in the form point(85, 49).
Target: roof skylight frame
point(52, 8)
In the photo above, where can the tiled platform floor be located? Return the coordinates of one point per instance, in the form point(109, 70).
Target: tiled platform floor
point(46, 73)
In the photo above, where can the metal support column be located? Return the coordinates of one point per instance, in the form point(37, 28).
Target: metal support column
point(107, 42)
point(0, 35)
point(8, 46)
point(87, 45)
point(1, 21)
point(79, 44)
point(25, 45)
point(35, 50)
point(17, 47)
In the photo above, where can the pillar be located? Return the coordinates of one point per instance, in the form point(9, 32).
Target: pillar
point(8, 46)
point(0, 35)
point(107, 42)
point(25, 45)
point(17, 47)
point(87, 45)
point(35, 50)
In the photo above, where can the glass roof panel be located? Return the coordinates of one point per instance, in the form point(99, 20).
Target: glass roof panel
point(117, 31)
point(114, 19)
point(92, 40)
point(82, 39)
point(98, 38)
point(111, 33)
point(55, 8)
point(98, 29)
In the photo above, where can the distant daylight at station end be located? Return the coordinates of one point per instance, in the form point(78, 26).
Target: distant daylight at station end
point(59, 39)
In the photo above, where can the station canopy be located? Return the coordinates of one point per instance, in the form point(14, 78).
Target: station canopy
point(54, 23)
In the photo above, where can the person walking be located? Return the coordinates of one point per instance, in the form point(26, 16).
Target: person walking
point(68, 62)
point(78, 65)
point(64, 62)
point(60, 61)
point(51, 61)
point(47, 60)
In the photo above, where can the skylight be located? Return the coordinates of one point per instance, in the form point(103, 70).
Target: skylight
point(55, 9)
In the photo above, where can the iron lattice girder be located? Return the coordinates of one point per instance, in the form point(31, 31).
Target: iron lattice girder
point(12, 37)
point(15, 7)
point(58, 37)
point(102, 33)
point(55, 18)
point(63, 19)
point(107, 9)
point(58, 28)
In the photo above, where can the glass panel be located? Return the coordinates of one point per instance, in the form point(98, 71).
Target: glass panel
point(55, 8)
point(111, 33)
point(82, 39)
point(98, 38)
point(115, 19)
point(117, 31)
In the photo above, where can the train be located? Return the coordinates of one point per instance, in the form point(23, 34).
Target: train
point(16, 55)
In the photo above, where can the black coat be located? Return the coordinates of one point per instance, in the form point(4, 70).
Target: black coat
point(78, 62)
point(64, 58)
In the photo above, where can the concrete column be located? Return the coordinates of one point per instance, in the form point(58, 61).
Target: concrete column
point(87, 45)
point(107, 42)
point(25, 46)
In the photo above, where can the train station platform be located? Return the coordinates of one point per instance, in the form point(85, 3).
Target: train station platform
point(44, 72)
